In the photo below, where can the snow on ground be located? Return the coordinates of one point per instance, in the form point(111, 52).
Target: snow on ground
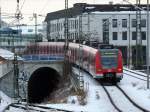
point(4, 101)
point(137, 90)
point(97, 100)
point(94, 104)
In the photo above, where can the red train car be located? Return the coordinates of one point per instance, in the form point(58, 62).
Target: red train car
point(100, 63)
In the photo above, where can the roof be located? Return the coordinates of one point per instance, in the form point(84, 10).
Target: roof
point(80, 8)
point(72, 12)
point(8, 55)
point(7, 30)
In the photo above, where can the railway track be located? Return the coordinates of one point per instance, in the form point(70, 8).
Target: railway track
point(122, 102)
point(135, 74)
point(124, 98)
point(33, 108)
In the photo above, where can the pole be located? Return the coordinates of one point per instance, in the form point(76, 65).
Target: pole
point(129, 47)
point(35, 16)
point(16, 69)
point(0, 17)
point(89, 28)
point(81, 80)
point(66, 32)
point(148, 58)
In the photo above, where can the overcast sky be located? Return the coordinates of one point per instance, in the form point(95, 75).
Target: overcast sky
point(43, 7)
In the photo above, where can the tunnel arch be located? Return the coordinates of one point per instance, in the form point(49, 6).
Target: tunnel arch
point(42, 83)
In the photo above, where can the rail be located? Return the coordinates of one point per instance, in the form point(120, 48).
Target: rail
point(135, 75)
point(111, 100)
point(135, 104)
point(32, 107)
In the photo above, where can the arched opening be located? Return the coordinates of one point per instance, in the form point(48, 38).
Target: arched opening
point(42, 83)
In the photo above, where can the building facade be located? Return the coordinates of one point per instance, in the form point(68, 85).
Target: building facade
point(113, 24)
point(19, 37)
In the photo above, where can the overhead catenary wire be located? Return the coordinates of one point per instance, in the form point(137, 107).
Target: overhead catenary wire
point(22, 5)
point(46, 4)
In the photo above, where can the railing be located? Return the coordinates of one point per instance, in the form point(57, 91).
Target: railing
point(43, 58)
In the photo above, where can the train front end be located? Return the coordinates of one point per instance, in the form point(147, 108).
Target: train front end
point(110, 65)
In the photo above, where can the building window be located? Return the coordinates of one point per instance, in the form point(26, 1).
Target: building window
point(30, 30)
point(143, 23)
point(20, 30)
point(105, 37)
point(143, 35)
point(105, 24)
point(124, 23)
point(124, 35)
point(61, 26)
point(40, 30)
point(52, 27)
point(133, 22)
point(76, 24)
point(133, 35)
point(115, 36)
point(114, 23)
point(105, 30)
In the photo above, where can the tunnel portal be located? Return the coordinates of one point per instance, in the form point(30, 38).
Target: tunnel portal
point(42, 83)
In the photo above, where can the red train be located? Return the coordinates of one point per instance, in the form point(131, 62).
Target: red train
point(101, 63)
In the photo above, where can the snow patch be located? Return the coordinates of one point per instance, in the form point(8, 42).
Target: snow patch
point(4, 101)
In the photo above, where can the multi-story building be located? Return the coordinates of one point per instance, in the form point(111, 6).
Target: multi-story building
point(19, 37)
point(108, 23)
point(30, 31)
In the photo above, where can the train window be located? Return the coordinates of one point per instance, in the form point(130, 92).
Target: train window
point(109, 58)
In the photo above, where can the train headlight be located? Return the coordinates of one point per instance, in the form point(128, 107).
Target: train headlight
point(119, 69)
point(99, 70)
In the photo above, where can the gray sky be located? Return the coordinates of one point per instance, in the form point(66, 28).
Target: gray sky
point(43, 7)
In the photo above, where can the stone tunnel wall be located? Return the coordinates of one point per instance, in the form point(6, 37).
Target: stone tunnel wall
point(30, 68)
point(7, 84)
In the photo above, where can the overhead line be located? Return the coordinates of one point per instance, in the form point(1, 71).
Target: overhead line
point(44, 6)
point(22, 5)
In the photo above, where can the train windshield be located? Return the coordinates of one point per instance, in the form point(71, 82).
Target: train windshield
point(109, 58)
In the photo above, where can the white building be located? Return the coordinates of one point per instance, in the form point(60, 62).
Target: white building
point(107, 23)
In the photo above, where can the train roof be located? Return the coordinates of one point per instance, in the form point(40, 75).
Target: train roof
point(84, 47)
point(74, 45)
point(47, 43)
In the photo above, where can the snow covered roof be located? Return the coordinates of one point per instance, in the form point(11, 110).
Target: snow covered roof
point(117, 12)
point(8, 55)
point(80, 8)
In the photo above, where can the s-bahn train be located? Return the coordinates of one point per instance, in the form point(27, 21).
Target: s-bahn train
point(100, 63)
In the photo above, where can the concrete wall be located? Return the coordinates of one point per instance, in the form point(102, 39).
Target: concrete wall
point(30, 67)
point(7, 84)
point(25, 71)
point(5, 68)
point(7, 78)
